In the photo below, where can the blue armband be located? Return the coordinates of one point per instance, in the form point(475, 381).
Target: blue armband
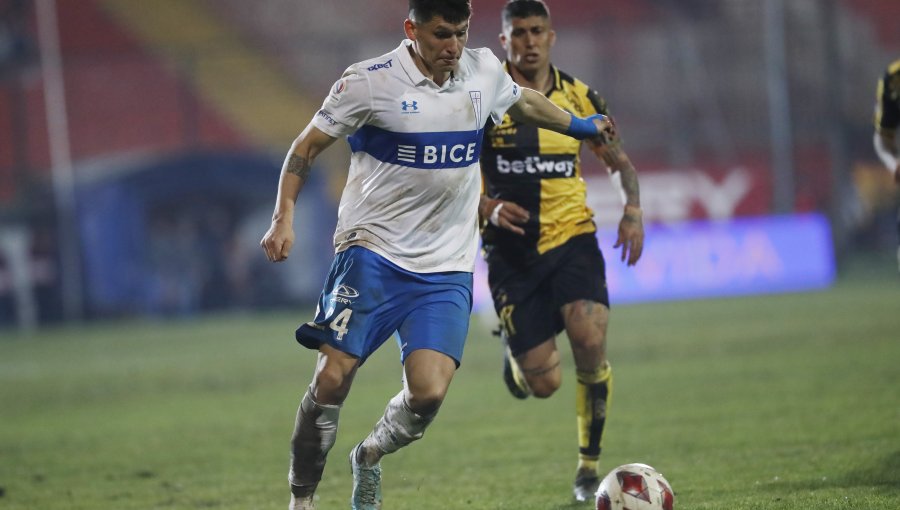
point(584, 128)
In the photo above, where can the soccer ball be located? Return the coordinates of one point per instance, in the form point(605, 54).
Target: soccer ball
point(635, 487)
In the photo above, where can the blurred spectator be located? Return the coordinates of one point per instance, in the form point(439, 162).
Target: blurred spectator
point(15, 41)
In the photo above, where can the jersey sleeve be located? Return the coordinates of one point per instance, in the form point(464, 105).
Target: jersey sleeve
point(887, 101)
point(506, 93)
point(347, 106)
point(595, 102)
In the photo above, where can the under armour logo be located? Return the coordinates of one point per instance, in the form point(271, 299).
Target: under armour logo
point(410, 105)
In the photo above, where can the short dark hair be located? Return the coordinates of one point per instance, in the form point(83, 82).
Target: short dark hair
point(453, 11)
point(524, 9)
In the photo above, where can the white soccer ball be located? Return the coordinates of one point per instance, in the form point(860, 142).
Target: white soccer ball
point(635, 487)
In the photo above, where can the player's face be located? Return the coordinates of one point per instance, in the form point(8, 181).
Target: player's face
point(439, 43)
point(527, 42)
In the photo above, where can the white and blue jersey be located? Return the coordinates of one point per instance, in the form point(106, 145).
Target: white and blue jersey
point(407, 231)
point(412, 190)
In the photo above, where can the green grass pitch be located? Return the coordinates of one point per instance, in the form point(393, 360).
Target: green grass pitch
point(771, 402)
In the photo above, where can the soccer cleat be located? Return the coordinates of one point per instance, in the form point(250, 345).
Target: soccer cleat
point(512, 374)
point(510, 367)
point(302, 503)
point(366, 484)
point(586, 484)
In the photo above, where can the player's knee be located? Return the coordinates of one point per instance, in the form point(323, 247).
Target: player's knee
point(542, 391)
point(426, 401)
point(589, 344)
point(331, 385)
point(545, 386)
point(591, 348)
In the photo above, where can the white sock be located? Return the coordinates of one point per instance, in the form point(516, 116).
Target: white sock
point(398, 427)
point(315, 431)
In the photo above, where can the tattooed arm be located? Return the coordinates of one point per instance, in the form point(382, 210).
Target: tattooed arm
point(279, 238)
point(631, 226)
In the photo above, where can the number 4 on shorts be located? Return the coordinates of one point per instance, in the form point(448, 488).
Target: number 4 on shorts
point(339, 324)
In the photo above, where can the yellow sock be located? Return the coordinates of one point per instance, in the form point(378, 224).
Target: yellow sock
point(585, 464)
point(593, 394)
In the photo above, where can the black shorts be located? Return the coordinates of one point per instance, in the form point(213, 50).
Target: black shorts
point(528, 299)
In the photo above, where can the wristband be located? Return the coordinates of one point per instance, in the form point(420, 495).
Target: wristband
point(495, 215)
point(583, 128)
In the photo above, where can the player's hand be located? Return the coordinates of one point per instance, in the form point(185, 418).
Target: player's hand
point(631, 234)
point(278, 241)
point(504, 214)
point(606, 129)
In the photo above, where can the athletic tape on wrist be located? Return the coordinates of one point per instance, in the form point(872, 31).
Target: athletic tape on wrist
point(583, 128)
point(495, 215)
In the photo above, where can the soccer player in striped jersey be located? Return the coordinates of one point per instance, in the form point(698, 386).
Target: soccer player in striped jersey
point(545, 269)
point(407, 231)
point(887, 119)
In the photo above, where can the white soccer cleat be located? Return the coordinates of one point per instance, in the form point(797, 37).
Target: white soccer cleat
point(366, 484)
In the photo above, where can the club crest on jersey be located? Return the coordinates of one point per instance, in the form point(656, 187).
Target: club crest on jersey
point(339, 86)
point(475, 96)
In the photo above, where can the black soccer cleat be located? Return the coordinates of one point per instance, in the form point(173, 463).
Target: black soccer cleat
point(509, 377)
point(586, 484)
point(510, 368)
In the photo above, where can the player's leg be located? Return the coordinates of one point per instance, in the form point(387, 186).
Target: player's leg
point(586, 324)
point(427, 376)
point(580, 285)
point(538, 369)
point(431, 340)
point(315, 427)
point(529, 322)
point(350, 324)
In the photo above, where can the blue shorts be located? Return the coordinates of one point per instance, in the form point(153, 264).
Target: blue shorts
point(366, 299)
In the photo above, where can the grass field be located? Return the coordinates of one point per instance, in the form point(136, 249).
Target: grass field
point(773, 402)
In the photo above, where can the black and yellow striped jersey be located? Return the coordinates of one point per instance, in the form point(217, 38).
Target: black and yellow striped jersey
point(541, 171)
point(887, 102)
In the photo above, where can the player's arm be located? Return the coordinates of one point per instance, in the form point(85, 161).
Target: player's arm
point(631, 226)
point(534, 108)
point(279, 239)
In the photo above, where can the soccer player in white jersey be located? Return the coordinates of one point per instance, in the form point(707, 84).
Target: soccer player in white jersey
point(407, 230)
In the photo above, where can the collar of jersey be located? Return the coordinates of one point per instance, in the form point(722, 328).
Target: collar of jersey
point(415, 75)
